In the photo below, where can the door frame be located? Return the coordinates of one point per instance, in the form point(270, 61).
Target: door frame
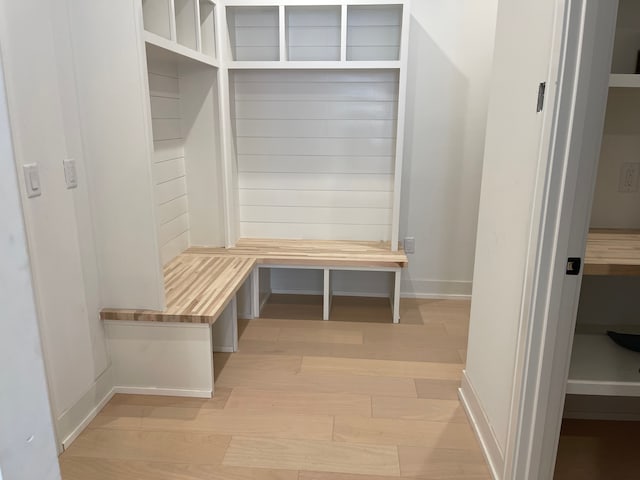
point(559, 230)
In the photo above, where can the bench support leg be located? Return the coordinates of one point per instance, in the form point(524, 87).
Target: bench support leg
point(326, 303)
point(255, 292)
point(396, 297)
point(225, 329)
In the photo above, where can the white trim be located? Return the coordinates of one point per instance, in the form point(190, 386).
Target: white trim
point(140, 323)
point(222, 349)
point(400, 124)
point(428, 288)
point(171, 392)
point(87, 420)
point(481, 427)
point(264, 301)
point(254, 3)
point(551, 297)
point(435, 296)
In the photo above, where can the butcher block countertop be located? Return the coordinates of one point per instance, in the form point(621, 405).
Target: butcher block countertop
point(197, 289)
point(329, 253)
point(612, 252)
point(200, 282)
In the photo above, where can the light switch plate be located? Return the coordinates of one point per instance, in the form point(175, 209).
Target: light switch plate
point(32, 180)
point(70, 174)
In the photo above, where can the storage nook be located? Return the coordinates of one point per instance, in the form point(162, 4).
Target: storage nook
point(254, 138)
point(603, 373)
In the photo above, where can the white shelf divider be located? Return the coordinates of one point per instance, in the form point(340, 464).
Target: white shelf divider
point(179, 51)
point(624, 80)
point(314, 65)
point(600, 367)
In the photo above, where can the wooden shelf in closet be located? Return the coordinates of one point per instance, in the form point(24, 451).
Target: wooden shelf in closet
point(613, 252)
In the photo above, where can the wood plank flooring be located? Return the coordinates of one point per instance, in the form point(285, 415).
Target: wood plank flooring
point(306, 400)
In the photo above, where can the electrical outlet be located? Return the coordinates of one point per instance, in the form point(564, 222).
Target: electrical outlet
point(409, 245)
point(629, 173)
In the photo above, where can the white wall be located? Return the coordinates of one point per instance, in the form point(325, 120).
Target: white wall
point(509, 207)
point(45, 128)
point(27, 444)
point(315, 153)
point(170, 183)
point(450, 58)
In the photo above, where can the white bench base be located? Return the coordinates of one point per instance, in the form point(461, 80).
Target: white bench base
point(156, 358)
point(394, 296)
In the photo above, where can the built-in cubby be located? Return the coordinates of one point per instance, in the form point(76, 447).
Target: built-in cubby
point(313, 32)
point(185, 27)
point(254, 33)
point(374, 32)
point(157, 16)
point(187, 23)
point(208, 28)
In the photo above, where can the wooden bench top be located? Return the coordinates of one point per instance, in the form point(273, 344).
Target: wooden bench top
point(612, 252)
point(312, 252)
point(197, 289)
point(200, 282)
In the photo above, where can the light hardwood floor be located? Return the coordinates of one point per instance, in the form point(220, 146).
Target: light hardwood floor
point(348, 399)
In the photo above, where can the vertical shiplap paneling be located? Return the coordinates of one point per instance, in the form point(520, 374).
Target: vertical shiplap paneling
point(168, 160)
point(315, 153)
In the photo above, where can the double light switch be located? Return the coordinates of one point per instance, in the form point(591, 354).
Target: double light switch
point(32, 177)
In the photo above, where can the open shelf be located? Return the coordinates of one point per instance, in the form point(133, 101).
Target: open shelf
point(313, 33)
point(187, 23)
point(374, 32)
point(207, 28)
point(600, 367)
point(613, 252)
point(157, 17)
point(254, 33)
point(624, 80)
point(174, 51)
point(315, 65)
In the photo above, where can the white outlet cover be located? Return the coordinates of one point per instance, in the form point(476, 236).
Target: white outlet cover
point(409, 245)
point(629, 176)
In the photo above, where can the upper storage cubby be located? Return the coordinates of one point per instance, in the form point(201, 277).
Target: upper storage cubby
point(187, 23)
point(374, 32)
point(626, 48)
point(254, 33)
point(313, 33)
point(356, 34)
point(208, 28)
point(157, 17)
point(625, 63)
point(183, 28)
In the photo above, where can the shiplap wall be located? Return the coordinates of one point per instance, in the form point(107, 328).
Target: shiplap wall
point(315, 153)
point(168, 160)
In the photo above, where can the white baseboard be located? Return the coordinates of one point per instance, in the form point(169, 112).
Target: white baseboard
point(169, 392)
point(68, 426)
point(434, 289)
point(435, 296)
point(481, 427)
point(221, 349)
